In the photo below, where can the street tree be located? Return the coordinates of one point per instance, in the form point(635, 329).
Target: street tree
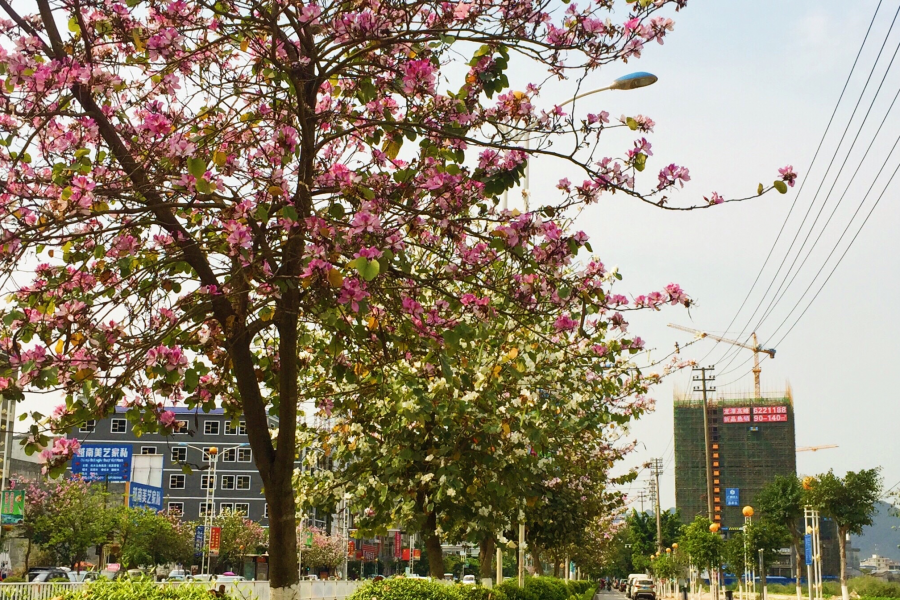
point(850, 502)
point(782, 501)
point(765, 538)
point(704, 547)
point(67, 518)
point(193, 191)
point(325, 551)
point(149, 538)
point(240, 536)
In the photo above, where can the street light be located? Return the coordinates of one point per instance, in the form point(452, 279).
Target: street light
point(212, 454)
point(631, 81)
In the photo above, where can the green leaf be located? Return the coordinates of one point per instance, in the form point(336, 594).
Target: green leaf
point(196, 167)
point(368, 269)
point(446, 369)
point(780, 186)
point(73, 25)
point(760, 189)
point(640, 161)
point(632, 124)
point(191, 379)
point(336, 211)
point(289, 212)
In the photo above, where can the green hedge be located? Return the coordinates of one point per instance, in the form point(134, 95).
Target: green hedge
point(126, 589)
point(536, 588)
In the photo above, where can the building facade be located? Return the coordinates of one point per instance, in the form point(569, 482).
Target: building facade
point(187, 466)
point(751, 441)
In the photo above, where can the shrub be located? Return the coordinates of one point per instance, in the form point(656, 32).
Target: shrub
point(404, 589)
point(127, 589)
point(872, 587)
point(476, 592)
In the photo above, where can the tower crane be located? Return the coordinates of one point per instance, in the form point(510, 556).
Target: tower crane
point(816, 448)
point(755, 347)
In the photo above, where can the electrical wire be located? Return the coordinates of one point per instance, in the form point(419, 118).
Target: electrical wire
point(802, 183)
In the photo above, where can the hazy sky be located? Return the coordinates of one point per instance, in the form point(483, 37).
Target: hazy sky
point(746, 87)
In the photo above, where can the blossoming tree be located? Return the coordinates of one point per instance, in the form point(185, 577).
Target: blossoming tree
point(192, 189)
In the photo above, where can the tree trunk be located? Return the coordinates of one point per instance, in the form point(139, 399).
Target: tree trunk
point(433, 546)
point(762, 580)
point(536, 558)
point(795, 535)
point(28, 557)
point(842, 544)
point(556, 566)
point(486, 551)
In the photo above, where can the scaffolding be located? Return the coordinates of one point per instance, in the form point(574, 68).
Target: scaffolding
point(752, 440)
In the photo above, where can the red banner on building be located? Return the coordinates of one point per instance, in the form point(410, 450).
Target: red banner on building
point(406, 554)
point(770, 418)
point(417, 554)
point(398, 545)
point(215, 540)
point(770, 410)
point(368, 551)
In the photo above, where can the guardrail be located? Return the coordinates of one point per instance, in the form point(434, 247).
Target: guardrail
point(242, 590)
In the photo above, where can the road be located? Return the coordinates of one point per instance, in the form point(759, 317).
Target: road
point(610, 595)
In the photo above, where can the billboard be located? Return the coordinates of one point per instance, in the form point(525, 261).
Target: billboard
point(756, 414)
point(398, 544)
point(145, 496)
point(215, 540)
point(732, 497)
point(12, 506)
point(103, 462)
point(199, 536)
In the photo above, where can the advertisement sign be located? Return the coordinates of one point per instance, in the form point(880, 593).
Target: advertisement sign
point(770, 418)
point(351, 549)
point(732, 497)
point(770, 410)
point(215, 540)
point(406, 554)
point(199, 536)
point(736, 410)
point(417, 554)
point(736, 419)
point(368, 551)
point(398, 544)
point(145, 496)
point(103, 462)
point(307, 539)
point(807, 548)
point(12, 506)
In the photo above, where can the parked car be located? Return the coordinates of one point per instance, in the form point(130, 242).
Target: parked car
point(643, 588)
point(468, 580)
point(228, 578)
point(629, 589)
point(51, 574)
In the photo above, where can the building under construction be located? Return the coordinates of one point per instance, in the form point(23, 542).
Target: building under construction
point(751, 440)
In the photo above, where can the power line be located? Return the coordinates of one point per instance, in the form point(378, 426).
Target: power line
point(802, 184)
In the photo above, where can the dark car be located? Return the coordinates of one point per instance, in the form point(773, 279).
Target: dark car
point(643, 588)
point(48, 574)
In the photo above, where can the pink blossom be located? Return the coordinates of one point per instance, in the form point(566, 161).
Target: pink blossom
point(714, 199)
point(167, 418)
point(418, 76)
point(156, 124)
point(788, 175)
point(565, 323)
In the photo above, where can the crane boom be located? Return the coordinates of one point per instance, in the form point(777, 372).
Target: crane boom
point(754, 347)
point(816, 448)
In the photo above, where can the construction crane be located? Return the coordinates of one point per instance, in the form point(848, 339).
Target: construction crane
point(816, 448)
point(755, 347)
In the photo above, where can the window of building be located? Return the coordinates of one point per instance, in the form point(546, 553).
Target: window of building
point(239, 429)
point(206, 508)
point(206, 450)
point(176, 482)
point(88, 426)
point(179, 454)
point(243, 482)
point(225, 507)
point(148, 449)
point(227, 482)
point(229, 455)
point(118, 426)
point(207, 482)
point(180, 428)
point(242, 508)
point(244, 454)
point(211, 428)
point(176, 508)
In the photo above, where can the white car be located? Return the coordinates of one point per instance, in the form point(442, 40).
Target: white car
point(468, 580)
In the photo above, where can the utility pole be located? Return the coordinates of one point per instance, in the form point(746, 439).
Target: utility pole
point(656, 468)
point(705, 389)
point(641, 496)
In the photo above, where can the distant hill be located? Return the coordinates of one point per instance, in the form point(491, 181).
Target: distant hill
point(882, 538)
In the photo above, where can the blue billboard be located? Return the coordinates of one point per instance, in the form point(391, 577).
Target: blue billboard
point(199, 539)
point(103, 462)
point(145, 496)
point(732, 497)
